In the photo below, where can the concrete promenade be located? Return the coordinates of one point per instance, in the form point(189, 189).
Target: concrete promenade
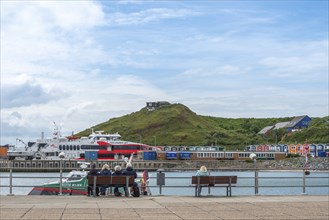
point(164, 207)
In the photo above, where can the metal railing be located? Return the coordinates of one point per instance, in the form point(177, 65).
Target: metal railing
point(159, 180)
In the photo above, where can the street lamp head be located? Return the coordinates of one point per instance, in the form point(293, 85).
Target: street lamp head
point(253, 156)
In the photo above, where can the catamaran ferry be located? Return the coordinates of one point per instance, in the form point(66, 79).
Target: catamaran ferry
point(106, 146)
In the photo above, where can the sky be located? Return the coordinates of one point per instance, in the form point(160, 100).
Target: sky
point(81, 63)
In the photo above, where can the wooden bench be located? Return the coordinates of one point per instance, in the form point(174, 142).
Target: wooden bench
point(212, 181)
point(118, 181)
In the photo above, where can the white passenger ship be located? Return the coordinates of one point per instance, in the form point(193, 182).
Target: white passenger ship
point(72, 146)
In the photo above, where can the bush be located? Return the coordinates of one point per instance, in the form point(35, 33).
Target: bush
point(292, 155)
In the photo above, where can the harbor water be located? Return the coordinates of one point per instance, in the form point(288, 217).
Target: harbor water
point(179, 183)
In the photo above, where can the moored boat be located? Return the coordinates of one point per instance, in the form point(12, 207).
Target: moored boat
point(106, 145)
point(75, 183)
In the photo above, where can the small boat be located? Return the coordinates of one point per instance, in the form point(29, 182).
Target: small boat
point(75, 183)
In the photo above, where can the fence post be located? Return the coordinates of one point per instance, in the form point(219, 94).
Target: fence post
point(256, 182)
point(94, 186)
point(60, 178)
point(61, 156)
point(209, 186)
point(11, 179)
point(304, 183)
point(127, 190)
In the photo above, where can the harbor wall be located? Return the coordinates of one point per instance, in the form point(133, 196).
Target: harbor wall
point(68, 165)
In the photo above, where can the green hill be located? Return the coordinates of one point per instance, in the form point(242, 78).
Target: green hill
point(176, 124)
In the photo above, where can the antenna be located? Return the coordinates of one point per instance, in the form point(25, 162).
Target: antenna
point(25, 145)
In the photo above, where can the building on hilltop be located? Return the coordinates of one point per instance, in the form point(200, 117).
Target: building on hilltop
point(266, 131)
point(296, 124)
point(281, 125)
point(151, 106)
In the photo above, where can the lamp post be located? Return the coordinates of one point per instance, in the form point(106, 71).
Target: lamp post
point(140, 140)
point(155, 141)
point(254, 158)
point(61, 156)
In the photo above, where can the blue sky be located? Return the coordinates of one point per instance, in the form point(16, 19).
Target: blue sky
point(80, 63)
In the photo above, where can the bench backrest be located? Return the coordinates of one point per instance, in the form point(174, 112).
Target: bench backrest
point(111, 180)
point(214, 179)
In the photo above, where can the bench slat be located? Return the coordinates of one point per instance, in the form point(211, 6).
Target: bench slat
point(214, 179)
point(203, 180)
point(110, 180)
point(222, 179)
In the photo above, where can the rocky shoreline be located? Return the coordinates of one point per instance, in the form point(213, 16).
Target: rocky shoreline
point(289, 163)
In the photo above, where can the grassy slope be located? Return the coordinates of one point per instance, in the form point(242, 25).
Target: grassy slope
point(178, 125)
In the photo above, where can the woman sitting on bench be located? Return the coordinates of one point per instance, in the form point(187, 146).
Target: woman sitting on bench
point(118, 172)
point(202, 172)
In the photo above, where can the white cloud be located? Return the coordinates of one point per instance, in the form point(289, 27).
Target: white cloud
point(305, 64)
point(217, 71)
point(149, 15)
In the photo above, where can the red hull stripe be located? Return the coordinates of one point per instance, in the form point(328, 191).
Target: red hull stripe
point(49, 189)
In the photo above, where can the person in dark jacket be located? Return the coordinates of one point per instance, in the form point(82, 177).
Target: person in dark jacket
point(93, 172)
point(118, 172)
point(129, 171)
point(105, 172)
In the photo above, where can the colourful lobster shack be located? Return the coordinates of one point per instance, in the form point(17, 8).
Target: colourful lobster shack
point(171, 155)
point(185, 155)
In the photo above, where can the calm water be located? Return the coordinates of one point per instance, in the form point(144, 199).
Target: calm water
point(177, 183)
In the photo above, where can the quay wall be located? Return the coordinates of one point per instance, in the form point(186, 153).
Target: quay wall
point(68, 165)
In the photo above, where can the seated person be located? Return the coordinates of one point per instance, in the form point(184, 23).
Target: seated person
point(118, 172)
point(92, 172)
point(201, 172)
point(105, 172)
point(129, 171)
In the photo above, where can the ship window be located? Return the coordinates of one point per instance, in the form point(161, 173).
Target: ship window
point(74, 147)
point(75, 177)
point(78, 147)
point(70, 147)
point(60, 147)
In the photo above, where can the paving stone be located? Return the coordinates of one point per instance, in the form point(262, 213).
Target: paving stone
point(81, 211)
point(81, 216)
point(38, 216)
